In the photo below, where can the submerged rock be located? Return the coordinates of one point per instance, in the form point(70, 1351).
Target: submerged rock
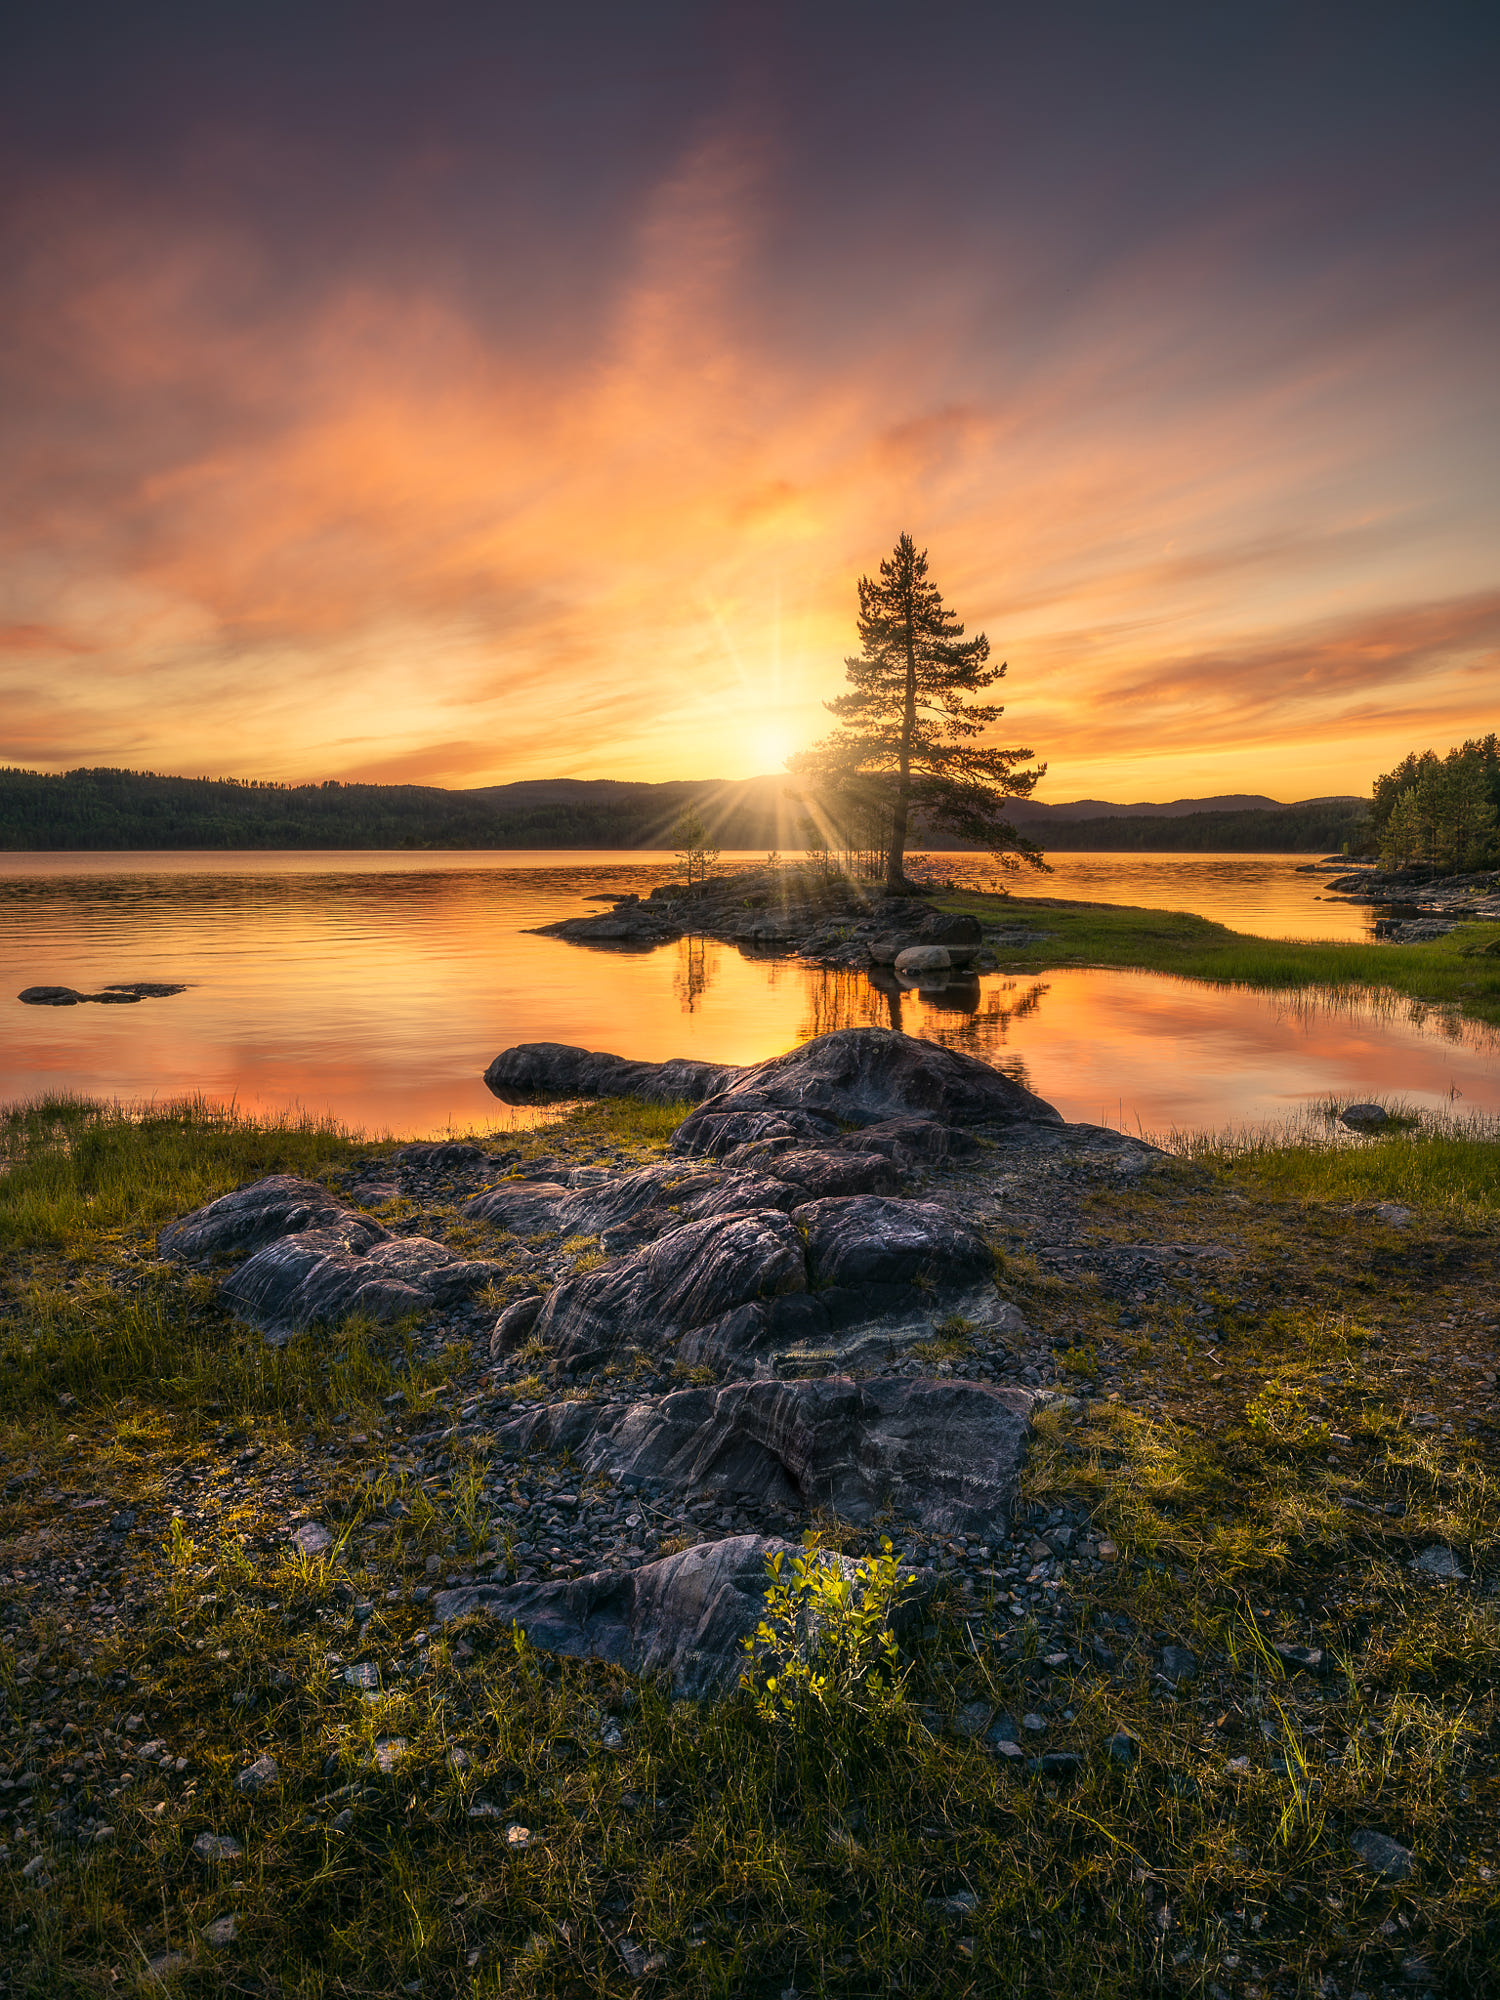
point(944, 1454)
point(122, 993)
point(687, 1615)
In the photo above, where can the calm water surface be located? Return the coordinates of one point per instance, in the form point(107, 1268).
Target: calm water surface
point(378, 986)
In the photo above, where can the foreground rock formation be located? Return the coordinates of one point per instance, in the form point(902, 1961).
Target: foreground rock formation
point(780, 1254)
point(313, 1260)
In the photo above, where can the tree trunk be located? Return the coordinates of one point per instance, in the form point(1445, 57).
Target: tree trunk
point(895, 870)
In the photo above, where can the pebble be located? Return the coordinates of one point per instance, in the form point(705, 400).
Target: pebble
point(1384, 1857)
point(312, 1539)
point(1440, 1563)
point(257, 1777)
point(217, 1847)
point(220, 1932)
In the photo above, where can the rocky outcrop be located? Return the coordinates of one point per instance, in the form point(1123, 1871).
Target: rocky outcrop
point(313, 1260)
point(686, 1616)
point(322, 1275)
point(238, 1223)
point(840, 1279)
point(856, 1076)
point(944, 1454)
point(548, 1071)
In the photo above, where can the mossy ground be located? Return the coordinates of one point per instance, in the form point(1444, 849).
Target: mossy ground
point(1268, 1450)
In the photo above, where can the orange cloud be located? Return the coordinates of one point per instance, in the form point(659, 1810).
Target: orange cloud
point(353, 530)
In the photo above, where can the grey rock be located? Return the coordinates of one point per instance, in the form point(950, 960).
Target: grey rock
point(945, 1454)
point(918, 959)
point(685, 1616)
point(442, 1156)
point(1308, 1658)
point(1394, 1214)
point(737, 1290)
point(1382, 1856)
point(281, 1205)
point(1364, 1117)
point(210, 1847)
point(320, 1275)
point(219, 1933)
point(312, 1539)
point(857, 1076)
point(515, 1323)
point(49, 996)
point(544, 1071)
point(165, 1964)
point(1440, 1563)
point(1179, 1665)
point(257, 1777)
point(1124, 1748)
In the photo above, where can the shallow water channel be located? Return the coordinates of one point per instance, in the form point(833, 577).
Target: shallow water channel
point(378, 986)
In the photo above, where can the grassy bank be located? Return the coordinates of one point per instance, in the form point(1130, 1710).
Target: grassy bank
point(1036, 933)
point(1268, 1451)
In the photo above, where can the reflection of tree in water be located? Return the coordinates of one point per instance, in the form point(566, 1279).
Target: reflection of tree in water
point(961, 1016)
point(697, 967)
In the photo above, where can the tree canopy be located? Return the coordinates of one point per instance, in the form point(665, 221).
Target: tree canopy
point(1440, 812)
point(906, 747)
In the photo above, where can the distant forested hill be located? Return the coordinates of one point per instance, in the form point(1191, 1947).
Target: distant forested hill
point(113, 810)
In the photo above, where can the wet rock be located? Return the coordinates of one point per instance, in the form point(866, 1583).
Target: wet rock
point(1382, 1856)
point(945, 1454)
point(124, 993)
point(856, 1076)
point(923, 960)
point(550, 1070)
point(685, 1616)
point(1364, 1117)
point(49, 996)
point(280, 1205)
point(321, 1275)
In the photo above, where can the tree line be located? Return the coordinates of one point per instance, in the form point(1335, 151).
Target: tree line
point(1440, 813)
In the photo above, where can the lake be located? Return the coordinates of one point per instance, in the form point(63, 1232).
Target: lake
point(377, 987)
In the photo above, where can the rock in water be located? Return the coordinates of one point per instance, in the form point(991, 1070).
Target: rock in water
point(1365, 1117)
point(544, 1070)
point(919, 958)
point(277, 1206)
point(856, 1076)
point(687, 1615)
point(945, 1454)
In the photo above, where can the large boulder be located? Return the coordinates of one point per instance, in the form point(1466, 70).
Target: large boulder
point(686, 1616)
point(856, 1076)
point(278, 1206)
point(546, 1071)
point(321, 1275)
point(945, 1454)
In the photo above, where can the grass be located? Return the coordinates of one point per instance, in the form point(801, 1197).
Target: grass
point(1250, 1448)
point(1037, 933)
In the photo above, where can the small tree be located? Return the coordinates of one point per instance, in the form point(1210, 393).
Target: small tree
point(691, 846)
point(908, 719)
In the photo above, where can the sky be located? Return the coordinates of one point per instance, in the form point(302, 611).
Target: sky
point(452, 394)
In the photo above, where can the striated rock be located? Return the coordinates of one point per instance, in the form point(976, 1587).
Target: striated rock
point(549, 1070)
point(945, 1454)
point(856, 1076)
point(515, 1323)
point(321, 1275)
point(686, 1616)
point(278, 1206)
point(689, 1277)
point(843, 1279)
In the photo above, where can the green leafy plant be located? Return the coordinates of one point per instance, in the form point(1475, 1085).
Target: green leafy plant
point(1278, 1415)
point(827, 1635)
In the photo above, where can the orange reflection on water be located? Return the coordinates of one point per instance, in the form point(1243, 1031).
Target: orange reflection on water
point(378, 988)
